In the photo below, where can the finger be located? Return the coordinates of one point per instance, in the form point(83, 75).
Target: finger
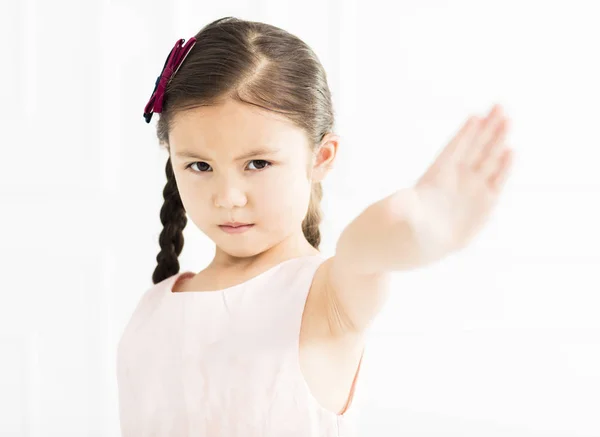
point(487, 161)
point(457, 145)
point(500, 176)
point(484, 136)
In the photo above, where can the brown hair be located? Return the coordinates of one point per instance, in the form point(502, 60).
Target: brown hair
point(257, 64)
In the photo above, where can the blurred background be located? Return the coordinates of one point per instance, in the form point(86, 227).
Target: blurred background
point(502, 339)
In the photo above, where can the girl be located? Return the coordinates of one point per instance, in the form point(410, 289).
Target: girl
point(268, 339)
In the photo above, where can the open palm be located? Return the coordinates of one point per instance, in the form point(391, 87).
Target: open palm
point(460, 189)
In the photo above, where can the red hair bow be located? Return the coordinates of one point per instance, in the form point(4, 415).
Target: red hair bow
point(172, 64)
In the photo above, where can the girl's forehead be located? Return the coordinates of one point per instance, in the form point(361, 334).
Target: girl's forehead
point(232, 113)
point(234, 140)
point(195, 132)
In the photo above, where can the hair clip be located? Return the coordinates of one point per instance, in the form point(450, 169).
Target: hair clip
point(172, 64)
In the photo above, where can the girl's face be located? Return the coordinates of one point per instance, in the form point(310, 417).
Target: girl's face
point(240, 163)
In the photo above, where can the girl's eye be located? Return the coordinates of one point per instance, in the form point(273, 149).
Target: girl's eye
point(200, 162)
point(261, 165)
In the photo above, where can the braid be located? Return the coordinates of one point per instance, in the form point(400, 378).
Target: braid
point(173, 218)
point(314, 216)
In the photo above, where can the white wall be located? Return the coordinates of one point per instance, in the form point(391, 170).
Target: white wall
point(501, 339)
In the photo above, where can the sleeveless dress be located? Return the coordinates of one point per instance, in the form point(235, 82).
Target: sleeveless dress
point(223, 362)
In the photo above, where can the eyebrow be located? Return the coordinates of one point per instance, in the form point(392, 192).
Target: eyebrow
point(249, 154)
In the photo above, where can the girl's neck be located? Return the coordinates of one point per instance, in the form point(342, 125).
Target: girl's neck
point(224, 261)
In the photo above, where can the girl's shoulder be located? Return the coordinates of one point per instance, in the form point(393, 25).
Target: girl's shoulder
point(148, 302)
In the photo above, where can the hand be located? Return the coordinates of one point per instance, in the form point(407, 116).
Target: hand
point(459, 191)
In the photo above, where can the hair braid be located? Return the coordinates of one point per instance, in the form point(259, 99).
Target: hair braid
point(314, 216)
point(173, 218)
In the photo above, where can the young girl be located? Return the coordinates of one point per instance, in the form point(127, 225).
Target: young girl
point(268, 339)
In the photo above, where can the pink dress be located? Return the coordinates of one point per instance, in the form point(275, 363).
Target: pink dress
point(223, 362)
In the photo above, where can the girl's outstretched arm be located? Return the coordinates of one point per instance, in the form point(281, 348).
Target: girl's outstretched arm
point(417, 226)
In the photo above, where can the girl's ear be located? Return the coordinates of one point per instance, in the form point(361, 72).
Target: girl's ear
point(324, 157)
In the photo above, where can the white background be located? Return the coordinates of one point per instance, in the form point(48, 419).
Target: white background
point(502, 339)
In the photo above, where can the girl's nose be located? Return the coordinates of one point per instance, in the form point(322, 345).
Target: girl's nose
point(229, 197)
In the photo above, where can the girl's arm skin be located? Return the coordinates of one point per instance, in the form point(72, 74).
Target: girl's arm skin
point(419, 225)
